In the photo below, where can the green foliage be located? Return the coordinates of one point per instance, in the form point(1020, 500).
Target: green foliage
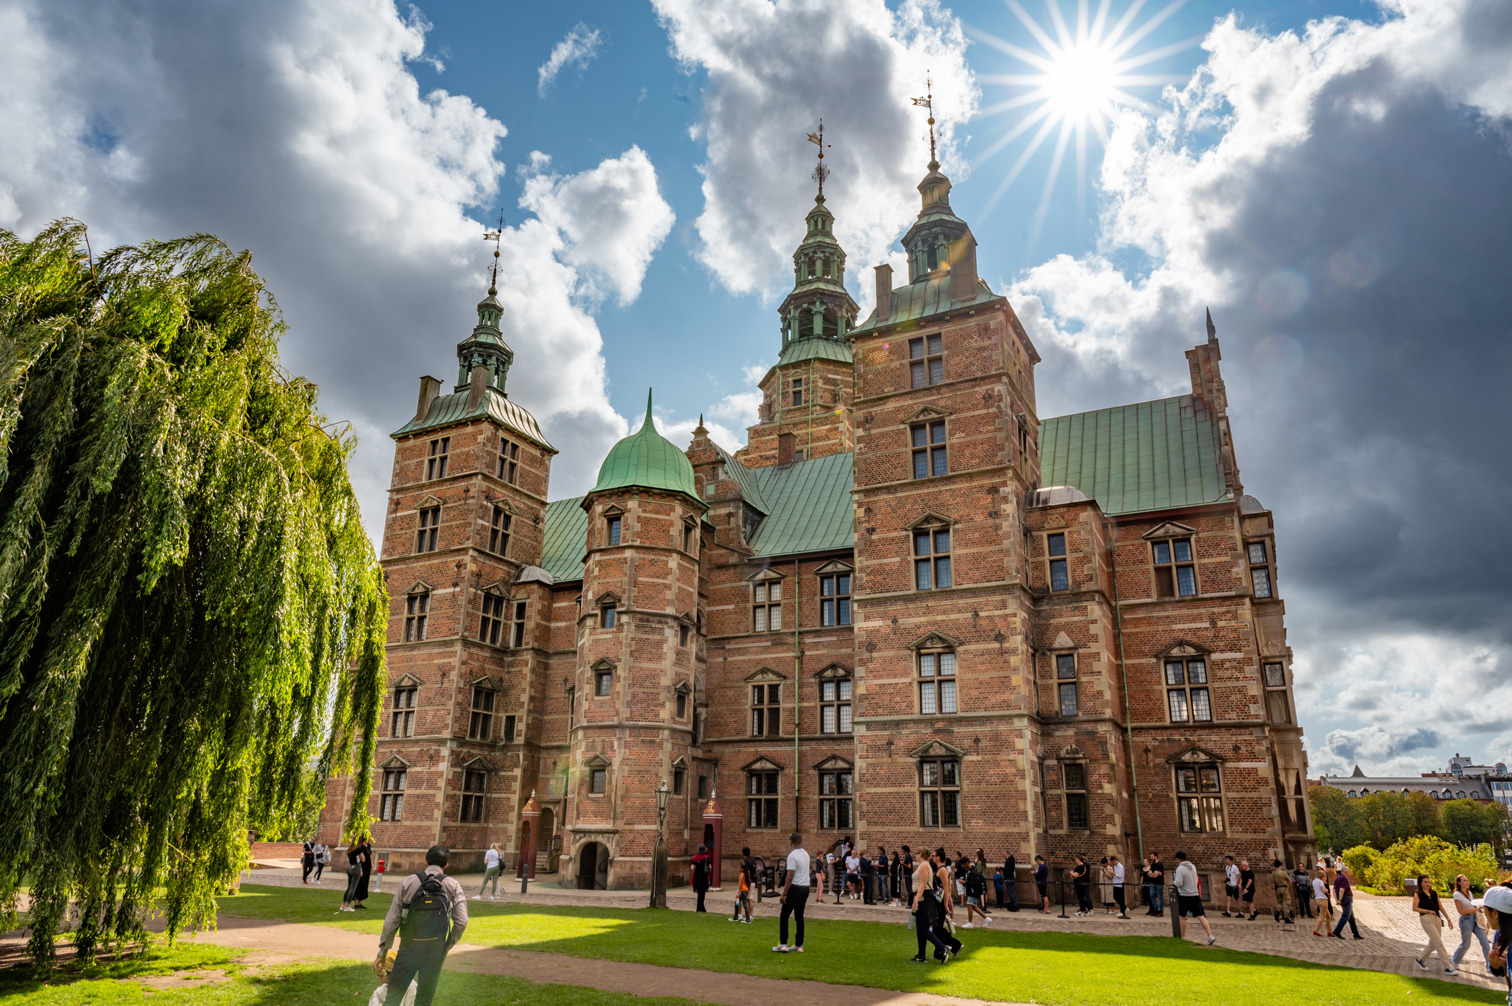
point(1467, 822)
point(1443, 861)
point(1383, 818)
point(190, 612)
point(1333, 820)
point(1425, 813)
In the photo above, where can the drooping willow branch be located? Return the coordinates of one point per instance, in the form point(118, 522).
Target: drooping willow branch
point(191, 617)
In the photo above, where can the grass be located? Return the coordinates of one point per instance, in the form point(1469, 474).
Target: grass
point(312, 983)
point(1064, 969)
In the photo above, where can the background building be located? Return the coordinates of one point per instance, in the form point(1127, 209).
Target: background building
point(1463, 780)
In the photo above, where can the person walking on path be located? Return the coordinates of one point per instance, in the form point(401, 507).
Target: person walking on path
point(1081, 882)
point(795, 895)
point(1156, 872)
point(353, 875)
point(365, 861)
point(1010, 880)
point(923, 907)
point(701, 876)
point(429, 913)
point(322, 859)
point(1042, 883)
point(945, 910)
point(307, 861)
point(1425, 902)
point(1323, 906)
point(1119, 897)
point(491, 871)
point(1189, 897)
point(976, 897)
point(1246, 890)
point(1344, 894)
point(1230, 886)
point(1280, 882)
point(1105, 884)
point(1469, 921)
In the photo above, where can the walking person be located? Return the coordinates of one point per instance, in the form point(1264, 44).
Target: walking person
point(322, 859)
point(923, 908)
point(429, 914)
point(365, 862)
point(1042, 883)
point(946, 909)
point(1246, 890)
point(1469, 922)
point(1425, 902)
point(1230, 886)
point(353, 875)
point(1081, 883)
point(1344, 895)
point(307, 861)
point(1280, 883)
point(1323, 906)
point(1010, 880)
point(1119, 897)
point(491, 871)
point(1189, 897)
point(1156, 873)
point(701, 876)
point(795, 895)
point(976, 897)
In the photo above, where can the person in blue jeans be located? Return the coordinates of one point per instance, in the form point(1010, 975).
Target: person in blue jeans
point(1344, 895)
point(1469, 922)
point(1155, 873)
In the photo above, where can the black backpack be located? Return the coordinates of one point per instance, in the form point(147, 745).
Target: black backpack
point(427, 915)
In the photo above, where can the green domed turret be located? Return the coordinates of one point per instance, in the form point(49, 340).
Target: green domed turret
point(647, 460)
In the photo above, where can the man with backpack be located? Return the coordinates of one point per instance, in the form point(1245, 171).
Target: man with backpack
point(429, 912)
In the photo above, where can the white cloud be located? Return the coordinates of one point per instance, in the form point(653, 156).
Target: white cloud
point(576, 49)
point(296, 130)
point(774, 69)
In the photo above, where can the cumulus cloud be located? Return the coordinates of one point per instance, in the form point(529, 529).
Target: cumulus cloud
point(296, 129)
point(1376, 750)
point(1339, 197)
point(577, 49)
point(775, 69)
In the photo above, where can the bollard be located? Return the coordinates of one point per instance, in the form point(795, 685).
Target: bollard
point(1174, 904)
point(1062, 885)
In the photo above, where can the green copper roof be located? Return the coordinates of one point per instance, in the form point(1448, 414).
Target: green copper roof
point(449, 409)
point(648, 460)
point(922, 299)
point(799, 350)
point(750, 485)
point(810, 506)
point(1147, 456)
point(565, 539)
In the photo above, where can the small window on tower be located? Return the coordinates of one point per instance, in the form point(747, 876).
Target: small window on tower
point(498, 532)
point(517, 632)
point(612, 530)
point(435, 464)
point(493, 619)
point(929, 451)
point(797, 391)
point(926, 364)
point(1055, 545)
point(425, 536)
point(509, 460)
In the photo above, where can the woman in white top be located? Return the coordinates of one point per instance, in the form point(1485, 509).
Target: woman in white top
point(1469, 921)
point(1321, 906)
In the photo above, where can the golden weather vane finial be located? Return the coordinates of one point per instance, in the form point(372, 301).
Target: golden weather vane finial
point(928, 102)
point(495, 236)
point(820, 172)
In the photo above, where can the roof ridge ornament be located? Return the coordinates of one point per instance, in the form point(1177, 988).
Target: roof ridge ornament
point(820, 171)
point(928, 102)
point(495, 236)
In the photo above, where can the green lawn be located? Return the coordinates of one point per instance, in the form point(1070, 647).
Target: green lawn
point(314, 983)
point(1064, 969)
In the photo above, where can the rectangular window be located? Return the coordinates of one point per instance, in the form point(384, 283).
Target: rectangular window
point(929, 451)
point(598, 781)
point(703, 787)
point(761, 799)
point(682, 634)
point(402, 719)
point(425, 536)
point(509, 460)
point(416, 611)
point(474, 787)
point(1175, 575)
point(937, 685)
point(493, 619)
point(608, 616)
point(1199, 798)
point(498, 531)
point(797, 391)
point(480, 724)
point(679, 781)
point(1277, 705)
point(435, 464)
point(613, 530)
point(1260, 571)
point(835, 706)
point(766, 606)
point(835, 800)
point(1185, 702)
point(1065, 674)
point(603, 682)
point(690, 539)
point(926, 365)
point(834, 599)
point(391, 800)
point(1075, 776)
point(682, 705)
point(517, 633)
point(1055, 546)
point(509, 729)
point(766, 710)
point(940, 793)
point(931, 546)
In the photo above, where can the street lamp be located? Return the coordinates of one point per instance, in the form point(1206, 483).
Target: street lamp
point(659, 858)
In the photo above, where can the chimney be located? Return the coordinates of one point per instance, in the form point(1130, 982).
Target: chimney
point(477, 386)
point(430, 389)
point(884, 293)
point(963, 269)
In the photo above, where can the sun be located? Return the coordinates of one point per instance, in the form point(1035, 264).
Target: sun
point(1078, 76)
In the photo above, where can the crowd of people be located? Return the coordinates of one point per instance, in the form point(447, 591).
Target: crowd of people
point(359, 871)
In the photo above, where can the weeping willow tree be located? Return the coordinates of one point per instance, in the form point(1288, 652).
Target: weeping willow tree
point(190, 613)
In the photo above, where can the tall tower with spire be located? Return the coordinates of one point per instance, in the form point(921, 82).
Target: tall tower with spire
point(806, 398)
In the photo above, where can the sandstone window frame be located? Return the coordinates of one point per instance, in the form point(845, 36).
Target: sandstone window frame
point(1076, 793)
point(500, 524)
point(614, 530)
point(766, 709)
point(1189, 695)
point(1262, 573)
point(603, 679)
point(938, 778)
point(930, 548)
point(491, 622)
point(1173, 564)
point(471, 808)
point(834, 593)
point(929, 448)
point(518, 624)
point(481, 711)
point(679, 777)
point(1057, 564)
point(836, 789)
point(690, 537)
point(510, 725)
point(391, 789)
point(416, 613)
point(509, 460)
point(926, 360)
point(406, 693)
point(937, 682)
point(680, 701)
point(766, 601)
point(763, 790)
point(608, 610)
point(1199, 793)
point(1273, 678)
point(797, 389)
point(836, 697)
point(436, 459)
point(427, 526)
point(1067, 683)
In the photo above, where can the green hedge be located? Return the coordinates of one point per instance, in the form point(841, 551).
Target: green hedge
point(1387, 871)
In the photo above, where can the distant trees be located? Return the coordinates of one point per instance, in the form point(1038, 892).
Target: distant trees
point(1381, 820)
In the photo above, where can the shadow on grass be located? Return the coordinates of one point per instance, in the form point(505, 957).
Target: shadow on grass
point(19, 978)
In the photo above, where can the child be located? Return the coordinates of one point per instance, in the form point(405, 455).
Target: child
point(743, 897)
point(997, 886)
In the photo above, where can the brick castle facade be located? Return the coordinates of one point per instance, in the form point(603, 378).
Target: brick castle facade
point(909, 610)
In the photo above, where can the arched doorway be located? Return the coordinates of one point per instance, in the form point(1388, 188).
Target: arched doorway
point(593, 867)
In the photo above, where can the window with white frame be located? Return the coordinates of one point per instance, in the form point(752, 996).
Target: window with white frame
point(835, 799)
point(761, 799)
point(937, 682)
point(480, 719)
point(1277, 704)
point(926, 365)
point(939, 793)
point(931, 550)
point(428, 530)
point(1187, 695)
point(492, 622)
point(835, 706)
point(834, 599)
point(1055, 548)
point(1074, 782)
point(391, 795)
point(930, 455)
point(766, 606)
point(766, 710)
point(402, 713)
point(416, 613)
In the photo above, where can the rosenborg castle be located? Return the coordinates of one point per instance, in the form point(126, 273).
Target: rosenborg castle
point(910, 610)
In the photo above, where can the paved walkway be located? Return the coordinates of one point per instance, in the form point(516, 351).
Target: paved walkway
point(1392, 935)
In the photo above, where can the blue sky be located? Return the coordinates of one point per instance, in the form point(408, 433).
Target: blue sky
point(1332, 179)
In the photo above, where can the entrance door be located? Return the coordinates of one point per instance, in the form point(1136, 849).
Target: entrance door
point(593, 867)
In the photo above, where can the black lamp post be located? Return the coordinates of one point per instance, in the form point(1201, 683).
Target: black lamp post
point(659, 858)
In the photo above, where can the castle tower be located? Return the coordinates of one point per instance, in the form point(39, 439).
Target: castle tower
point(639, 660)
point(806, 397)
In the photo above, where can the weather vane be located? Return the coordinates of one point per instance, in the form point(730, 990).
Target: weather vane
point(495, 235)
point(928, 102)
point(820, 172)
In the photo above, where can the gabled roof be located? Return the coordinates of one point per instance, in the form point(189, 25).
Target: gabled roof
point(750, 486)
point(1147, 456)
point(810, 506)
point(923, 298)
point(449, 409)
point(566, 539)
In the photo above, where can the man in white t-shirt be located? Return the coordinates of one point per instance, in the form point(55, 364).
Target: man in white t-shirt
point(853, 875)
point(491, 872)
point(795, 894)
point(1189, 896)
point(1230, 886)
point(1118, 886)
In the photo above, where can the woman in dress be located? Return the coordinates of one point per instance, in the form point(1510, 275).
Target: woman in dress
point(365, 861)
